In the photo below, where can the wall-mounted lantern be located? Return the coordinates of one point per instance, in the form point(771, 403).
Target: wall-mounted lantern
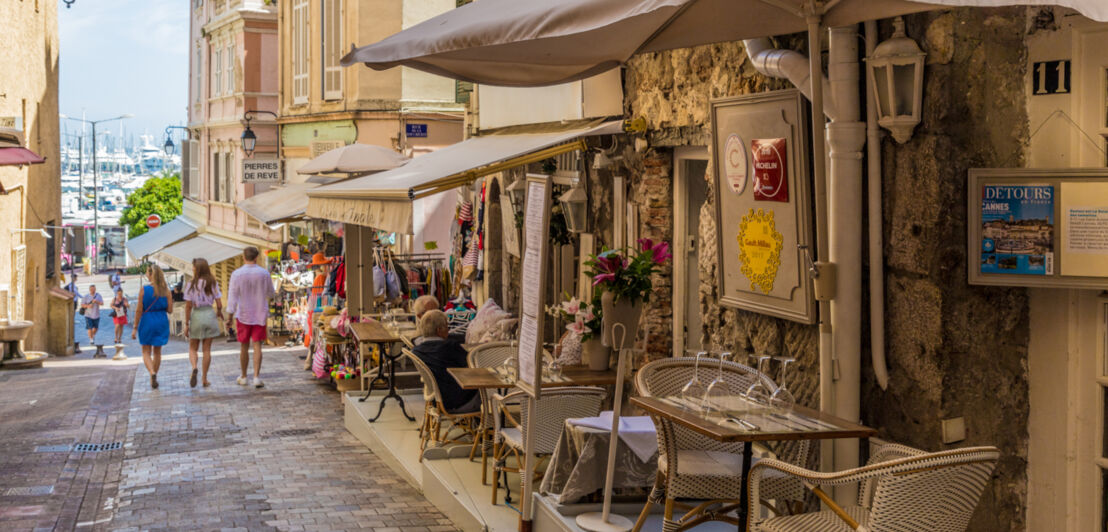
point(575, 207)
point(517, 192)
point(249, 139)
point(896, 68)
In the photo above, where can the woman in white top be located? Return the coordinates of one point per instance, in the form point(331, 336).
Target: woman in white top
point(201, 319)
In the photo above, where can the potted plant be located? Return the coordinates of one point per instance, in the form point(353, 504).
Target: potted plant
point(621, 280)
point(583, 331)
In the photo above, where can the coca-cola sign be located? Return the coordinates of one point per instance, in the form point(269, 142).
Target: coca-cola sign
point(771, 176)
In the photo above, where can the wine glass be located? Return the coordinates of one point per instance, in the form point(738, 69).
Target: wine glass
point(693, 392)
point(715, 397)
point(758, 393)
point(782, 398)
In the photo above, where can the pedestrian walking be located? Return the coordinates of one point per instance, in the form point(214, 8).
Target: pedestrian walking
point(201, 319)
point(248, 306)
point(90, 307)
point(120, 307)
point(115, 280)
point(72, 288)
point(152, 321)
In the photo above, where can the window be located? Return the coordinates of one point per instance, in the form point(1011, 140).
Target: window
point(218, 185)
point(197, 69)
point(193, 165)
point(229, 69)
point(229, 177)
point(331, 48)
point(217, 72)
point(300, 51)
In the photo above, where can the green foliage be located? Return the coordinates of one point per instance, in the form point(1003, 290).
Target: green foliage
point(159, 195)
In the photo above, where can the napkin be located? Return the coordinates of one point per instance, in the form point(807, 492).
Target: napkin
point(636, 432)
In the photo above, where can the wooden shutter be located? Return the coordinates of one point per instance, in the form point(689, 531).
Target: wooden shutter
point(193, 165)
point(300, 51)
point(331, 48)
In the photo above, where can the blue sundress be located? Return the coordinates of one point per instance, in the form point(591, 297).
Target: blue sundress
point(154, 327)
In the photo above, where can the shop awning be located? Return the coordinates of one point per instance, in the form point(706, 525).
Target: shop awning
point(211, 248)
point(384, 200)
point(278, 205)
point(161, 237)
point(19, 157)
point(539, 42)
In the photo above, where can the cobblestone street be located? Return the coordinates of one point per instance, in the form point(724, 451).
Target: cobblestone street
point(217, 458)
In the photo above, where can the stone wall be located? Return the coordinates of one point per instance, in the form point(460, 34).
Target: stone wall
point(953, 350)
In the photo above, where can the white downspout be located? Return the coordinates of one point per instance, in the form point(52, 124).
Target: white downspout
point(876, 229)
point(793, 66)
point(846, 136)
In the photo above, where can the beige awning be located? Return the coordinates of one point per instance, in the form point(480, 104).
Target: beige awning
point(161, 237)
point(384, 200)
point(354, 159)
point(278, 205)
point(211, 248)
point(543, 42)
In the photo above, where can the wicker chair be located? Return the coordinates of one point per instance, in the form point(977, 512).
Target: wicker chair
point(902, 489)
point(431, 429)
point(488, 355)
point(556, 406)
point(691, 465)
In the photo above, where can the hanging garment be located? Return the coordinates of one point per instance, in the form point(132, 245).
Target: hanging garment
point(340, 279)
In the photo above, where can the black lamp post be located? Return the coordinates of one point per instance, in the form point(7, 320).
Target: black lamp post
point(168, 147)
point(249, 139)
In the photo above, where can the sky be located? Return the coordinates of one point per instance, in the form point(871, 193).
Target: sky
point(124, 56)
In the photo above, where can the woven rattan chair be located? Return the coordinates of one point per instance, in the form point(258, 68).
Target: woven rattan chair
point(488, 355)
point(691, 465)
point(556, 406)
point(434, 414)
point(902, 489)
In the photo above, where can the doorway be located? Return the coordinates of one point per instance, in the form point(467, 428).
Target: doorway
point(690, 189)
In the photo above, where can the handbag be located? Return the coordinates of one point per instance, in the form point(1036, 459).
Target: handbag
point(111, 314)
point(82, 311)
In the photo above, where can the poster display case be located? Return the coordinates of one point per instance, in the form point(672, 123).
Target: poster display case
point(1038, 227)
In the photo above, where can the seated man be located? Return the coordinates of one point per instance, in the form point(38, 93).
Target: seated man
point(423, 304)
point(440, 354)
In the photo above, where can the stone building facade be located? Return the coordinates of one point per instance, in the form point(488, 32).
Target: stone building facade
point(953, 349)
point(30, 267)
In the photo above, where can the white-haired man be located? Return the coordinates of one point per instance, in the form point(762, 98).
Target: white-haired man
point(440, 354)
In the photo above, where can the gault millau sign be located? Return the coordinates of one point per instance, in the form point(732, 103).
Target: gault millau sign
point(261, 170)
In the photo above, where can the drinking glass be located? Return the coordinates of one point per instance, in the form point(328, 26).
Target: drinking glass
point(718, 391)
point(693, 392)
point(782, 398)
point(758, 393)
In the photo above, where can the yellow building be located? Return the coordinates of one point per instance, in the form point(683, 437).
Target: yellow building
point(324, 106)
point(30, 201)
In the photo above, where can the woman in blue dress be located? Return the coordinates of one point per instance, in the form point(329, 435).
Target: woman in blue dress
point(152, 321)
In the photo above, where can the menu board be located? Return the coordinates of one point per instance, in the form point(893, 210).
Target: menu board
point(536, 228)
point(1035, 227)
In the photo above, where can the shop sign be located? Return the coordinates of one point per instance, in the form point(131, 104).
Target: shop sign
point(735, 164)
point(261, 170)
point(153, 221)
point(771, 181)
point(760, 249)
point(319, 147)
point(415, 130)
point(15, 122)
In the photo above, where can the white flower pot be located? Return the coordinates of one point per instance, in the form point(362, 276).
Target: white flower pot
point(622, 312)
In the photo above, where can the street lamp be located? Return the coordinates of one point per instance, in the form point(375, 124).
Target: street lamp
point(95, 184)
point(169, 140)
point(575, 207)
point(896, 68)
point(249, 139)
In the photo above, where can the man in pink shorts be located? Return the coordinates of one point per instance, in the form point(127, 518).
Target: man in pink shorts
point(248, 305)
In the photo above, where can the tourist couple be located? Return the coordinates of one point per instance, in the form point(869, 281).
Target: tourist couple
point(247, 300)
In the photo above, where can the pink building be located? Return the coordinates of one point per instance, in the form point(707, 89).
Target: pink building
point(233, 69)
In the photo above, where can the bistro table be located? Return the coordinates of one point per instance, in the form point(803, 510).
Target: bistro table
point(488, 378)
point(372, 332)
point(779, 425)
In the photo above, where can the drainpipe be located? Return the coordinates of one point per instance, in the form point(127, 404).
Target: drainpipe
point(793, 66)
point(876, 231)
point(846, 135)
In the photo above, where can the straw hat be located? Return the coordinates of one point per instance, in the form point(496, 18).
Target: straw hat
point(319, 260)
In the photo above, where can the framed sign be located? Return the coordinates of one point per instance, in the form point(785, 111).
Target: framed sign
point(536, 233)
point(1038, 227)
point(763, 209)
point(261, 170)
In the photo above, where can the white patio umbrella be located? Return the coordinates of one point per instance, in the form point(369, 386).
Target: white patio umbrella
point(354, 159)
point(530, 43)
